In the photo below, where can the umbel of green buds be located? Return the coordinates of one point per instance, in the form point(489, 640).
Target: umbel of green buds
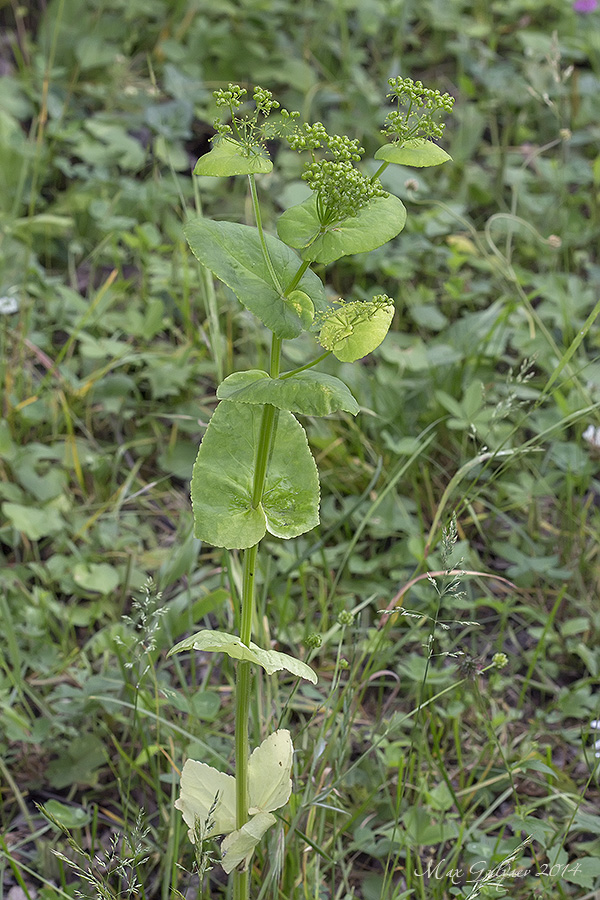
point(416, 108)
point(341, 189)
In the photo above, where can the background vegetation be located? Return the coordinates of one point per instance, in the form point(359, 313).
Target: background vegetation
point(483, 406)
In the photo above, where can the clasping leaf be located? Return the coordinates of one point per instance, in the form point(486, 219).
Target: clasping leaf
point(222, 642)
point(223, 480)
point(418, 152)
point(234, 253)
point(228, 157)
point(357, 328)
point(374, 225)
point(308, 393)
point(208, 799)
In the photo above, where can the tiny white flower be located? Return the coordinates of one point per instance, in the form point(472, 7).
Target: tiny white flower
point(595, 725)
point(8, 305)
point(592, 436)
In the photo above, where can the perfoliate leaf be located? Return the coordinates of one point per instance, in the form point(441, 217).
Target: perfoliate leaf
point(239, 845)
point(208, 798)
point(375, 224)
point(308, 393)
point(303, 306)
point(418, 152)
point(228, 157)
point(222, 480)
point(233, 252)
point(200, 786)
point(356, 329)
point(269, 773)
point(270, 660)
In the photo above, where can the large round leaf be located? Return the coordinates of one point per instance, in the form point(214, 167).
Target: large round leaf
point(222, 480)
point(234, 253)
point(418, 152)
point(308, 393)
point(227, 157)
point(375, 224)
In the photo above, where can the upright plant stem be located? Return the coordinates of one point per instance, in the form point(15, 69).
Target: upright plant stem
point(241, 879)
point(261, 234)
point(241, 882)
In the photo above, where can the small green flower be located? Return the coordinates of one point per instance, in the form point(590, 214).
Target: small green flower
point(500, 660)
point(345, 617)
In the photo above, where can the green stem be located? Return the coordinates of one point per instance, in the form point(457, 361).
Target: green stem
point(261, 234)
point(241, 883)
point(262, 456)
point(309, 365)
point(275, 356)
point(380, 170)
point(241, 880)
point(296, 279)
point(263, 243)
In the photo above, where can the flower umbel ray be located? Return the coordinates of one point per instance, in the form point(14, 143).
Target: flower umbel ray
point(252, 129)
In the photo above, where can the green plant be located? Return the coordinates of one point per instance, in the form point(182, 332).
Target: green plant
point(254, 473)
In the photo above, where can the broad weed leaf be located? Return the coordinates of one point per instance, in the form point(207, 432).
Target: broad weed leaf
point(308, 393)
point(227, 157)
point(419, 153)
point(222, 480)
point(374, 225)
point(270, 660)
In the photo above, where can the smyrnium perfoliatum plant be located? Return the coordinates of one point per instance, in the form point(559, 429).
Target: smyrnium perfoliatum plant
point(254, 474)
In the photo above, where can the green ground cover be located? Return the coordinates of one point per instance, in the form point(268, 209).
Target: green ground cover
point(465, 493)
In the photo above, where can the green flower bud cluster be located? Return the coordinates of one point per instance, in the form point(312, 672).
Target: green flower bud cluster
point(313, 137)
point(420, 104)
point(313, 641)
point(500, 660)
point(247, 129)
point(233, 97)
point(341, 190)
